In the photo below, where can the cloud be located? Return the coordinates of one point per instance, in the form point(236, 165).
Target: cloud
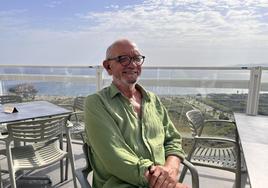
point(172, 19)
point(53, 4)
point(225, 31)
point(112, 6)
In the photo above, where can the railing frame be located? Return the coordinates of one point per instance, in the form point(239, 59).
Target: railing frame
point(254, 91)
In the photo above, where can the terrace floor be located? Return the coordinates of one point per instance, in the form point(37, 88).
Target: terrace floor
point(209, 178)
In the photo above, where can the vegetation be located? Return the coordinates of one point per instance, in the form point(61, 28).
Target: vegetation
point(26, 91)
point(178, 106)
point(214, 106)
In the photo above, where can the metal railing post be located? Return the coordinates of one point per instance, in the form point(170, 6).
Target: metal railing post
point(99, 79)
point(254, 91)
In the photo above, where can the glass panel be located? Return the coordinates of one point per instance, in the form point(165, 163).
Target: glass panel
point(263, 101)
point(48, 83)
point(217, 93)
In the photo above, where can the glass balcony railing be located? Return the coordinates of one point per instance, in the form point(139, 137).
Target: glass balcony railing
point(226, 87)
point(218, 91)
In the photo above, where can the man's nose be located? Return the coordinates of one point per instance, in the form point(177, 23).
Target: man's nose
point(132, 63)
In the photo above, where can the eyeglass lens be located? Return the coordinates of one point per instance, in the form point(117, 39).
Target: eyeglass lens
point(126, 60)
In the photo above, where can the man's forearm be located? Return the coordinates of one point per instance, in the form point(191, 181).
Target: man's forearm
point(173, 164)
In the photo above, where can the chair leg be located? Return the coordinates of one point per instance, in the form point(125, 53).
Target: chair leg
point(61, 161)
point(66, 168)
point(66, 163)
point(73, 171)
point(67, 159)
point(12, 177)
point(238, 180)
point(61, 171)
point(1, 182)
point(238, 172)
point(238, 164)
point(70, 156)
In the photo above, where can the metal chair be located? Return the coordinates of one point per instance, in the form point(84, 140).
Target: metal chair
point(82, 173)
point(4, 99)
point(76, 116)
point(214, 152)
point(43, 137)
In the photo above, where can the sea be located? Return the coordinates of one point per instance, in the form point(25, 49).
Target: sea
point(83, 89)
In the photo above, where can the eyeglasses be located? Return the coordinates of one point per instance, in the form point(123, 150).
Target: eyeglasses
point(125, 60)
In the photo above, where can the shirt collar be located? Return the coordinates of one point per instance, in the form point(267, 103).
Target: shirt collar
point(114, 91)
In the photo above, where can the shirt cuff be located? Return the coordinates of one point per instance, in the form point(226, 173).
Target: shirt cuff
point(181, 155)
point(144, 164)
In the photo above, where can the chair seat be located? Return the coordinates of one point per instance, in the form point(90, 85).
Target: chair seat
point(78, 127)
point(222, 158)
point(37, 155)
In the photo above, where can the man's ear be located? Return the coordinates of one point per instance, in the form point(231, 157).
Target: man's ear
point(107, 66)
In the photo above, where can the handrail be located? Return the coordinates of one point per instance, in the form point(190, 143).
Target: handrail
point(145, 67)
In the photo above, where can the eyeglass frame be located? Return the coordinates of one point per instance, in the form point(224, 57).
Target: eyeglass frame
point(131, 59)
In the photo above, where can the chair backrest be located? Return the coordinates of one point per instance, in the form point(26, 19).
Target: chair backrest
point(10, 99)
point(79, 103)
point(196, 120)
point(37, 130)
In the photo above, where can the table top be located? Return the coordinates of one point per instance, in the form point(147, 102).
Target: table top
point(253, 134)
point(30, 110)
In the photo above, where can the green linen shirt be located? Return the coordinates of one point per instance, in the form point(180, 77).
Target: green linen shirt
point(123, 145)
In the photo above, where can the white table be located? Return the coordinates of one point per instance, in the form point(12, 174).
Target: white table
point(253, 135)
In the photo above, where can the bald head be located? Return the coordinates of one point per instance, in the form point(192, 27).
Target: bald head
point(119, 44)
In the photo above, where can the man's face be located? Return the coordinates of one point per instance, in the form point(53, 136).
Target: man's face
point(125, 75)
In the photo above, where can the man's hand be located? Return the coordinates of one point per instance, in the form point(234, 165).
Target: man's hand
point(159, 176)
point(163, 177)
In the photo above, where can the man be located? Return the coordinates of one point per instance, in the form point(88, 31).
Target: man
point(133, 142)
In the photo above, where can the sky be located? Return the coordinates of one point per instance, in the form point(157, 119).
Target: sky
point(168, 32)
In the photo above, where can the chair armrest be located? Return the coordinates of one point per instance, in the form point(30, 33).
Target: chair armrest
point(69, 124)
point(219, 121)
point(217, 139)
point(194, 173)
point(82, 174)
point(67, 106)
point(77, 113)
